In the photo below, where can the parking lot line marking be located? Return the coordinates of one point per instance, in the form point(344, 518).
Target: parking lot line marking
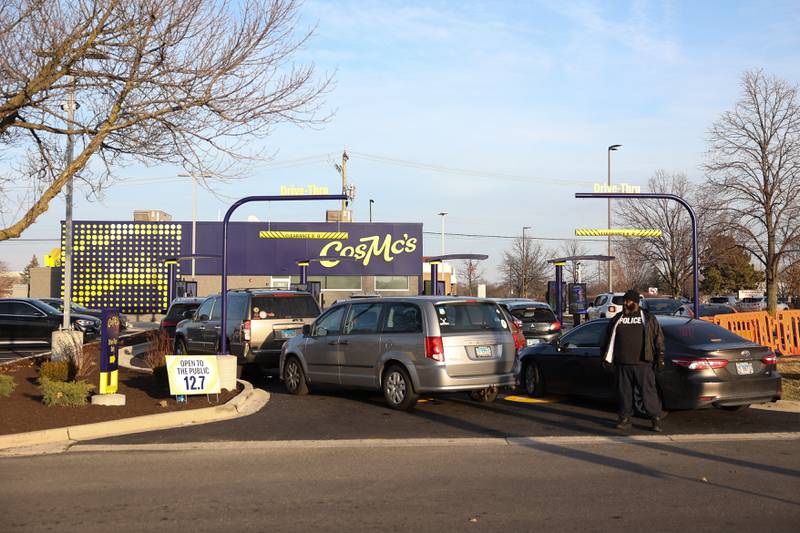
point(525, 399)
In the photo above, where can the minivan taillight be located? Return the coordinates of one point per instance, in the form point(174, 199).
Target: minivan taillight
point(246, 330)
point(168, 323)
point(434, 348)
point(770, 359)
point(700, 364)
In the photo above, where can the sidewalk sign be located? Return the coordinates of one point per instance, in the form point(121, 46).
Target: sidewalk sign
point(193, 374)
point(109, 344)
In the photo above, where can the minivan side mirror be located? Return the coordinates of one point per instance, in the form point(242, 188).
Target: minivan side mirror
point(306, 330)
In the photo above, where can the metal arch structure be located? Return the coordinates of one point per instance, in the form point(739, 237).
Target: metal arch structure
point(305, 263)
point(692, 216)
point(436, 260)
point(223, 330)
point(559, 263)
point(172, 265)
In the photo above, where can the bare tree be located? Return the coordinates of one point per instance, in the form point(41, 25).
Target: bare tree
point(525, 267)
point(754, 166)
point(186, 82)
point(6, 280)
point(630, 271)
point(671, 254)
point(574, 247)
point(472, 274)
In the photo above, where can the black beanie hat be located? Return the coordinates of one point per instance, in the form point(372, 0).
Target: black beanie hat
point(632, 295)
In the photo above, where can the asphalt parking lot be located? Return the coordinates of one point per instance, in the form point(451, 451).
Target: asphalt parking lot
point(346, 414)
point(9, 353)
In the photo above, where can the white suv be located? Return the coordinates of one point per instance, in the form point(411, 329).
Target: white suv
point(606, 305)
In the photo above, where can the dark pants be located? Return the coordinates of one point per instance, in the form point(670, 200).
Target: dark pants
point(644, 377)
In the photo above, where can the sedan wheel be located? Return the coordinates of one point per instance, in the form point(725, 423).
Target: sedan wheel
point(180, 347)
point(532, 380)
point(294, 377)
point(397, 389)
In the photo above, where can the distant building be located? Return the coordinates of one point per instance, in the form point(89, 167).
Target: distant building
point(153, 215)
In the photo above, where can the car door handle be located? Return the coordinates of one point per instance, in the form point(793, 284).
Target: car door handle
point(217, 327)
point(345, 343)
point(202, 327)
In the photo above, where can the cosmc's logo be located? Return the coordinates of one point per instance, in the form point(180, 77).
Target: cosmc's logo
point(371, 247)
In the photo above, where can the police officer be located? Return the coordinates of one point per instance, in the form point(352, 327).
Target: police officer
point(634, 345)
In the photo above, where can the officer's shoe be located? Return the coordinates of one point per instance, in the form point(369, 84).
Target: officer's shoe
point(657, 425)
point(624, 423)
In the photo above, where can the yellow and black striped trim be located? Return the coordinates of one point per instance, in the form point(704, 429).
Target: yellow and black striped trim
point(324, 235)
point(585, 232)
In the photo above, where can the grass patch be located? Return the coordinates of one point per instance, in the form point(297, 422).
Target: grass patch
point(65, 393)
point(7, 385)
point(790, 372)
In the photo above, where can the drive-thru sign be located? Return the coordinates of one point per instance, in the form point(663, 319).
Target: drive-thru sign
point(193, 374)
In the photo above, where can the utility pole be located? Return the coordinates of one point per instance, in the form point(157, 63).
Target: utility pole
point(194, 177)
point(524, 262)
point(344, 179)
point(442, 214)
point(612, 148)
point(67, 324)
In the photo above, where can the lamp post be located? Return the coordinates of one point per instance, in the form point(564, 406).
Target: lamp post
point(442, 214)
point(612, 148)
point(70, 108)
point(194, 177)
point(524, 262)
point(371, 201)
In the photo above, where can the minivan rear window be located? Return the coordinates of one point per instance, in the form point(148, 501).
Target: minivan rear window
point(177, 310)
point(534, 314)
point(462, 317)
point(284, 306)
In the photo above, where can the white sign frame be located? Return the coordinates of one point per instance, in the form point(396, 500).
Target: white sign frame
point(193, 374)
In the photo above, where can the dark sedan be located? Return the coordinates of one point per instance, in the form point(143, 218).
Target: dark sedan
point(58, 304)
point(706, 365)
point(29, 321)
point(537, 321)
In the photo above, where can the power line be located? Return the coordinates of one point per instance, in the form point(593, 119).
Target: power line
point(480, 236)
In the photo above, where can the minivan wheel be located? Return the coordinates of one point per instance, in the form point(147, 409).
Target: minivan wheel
point(532, 381)
point(487, 395)
point(180, 347)
point(294, 377)
point(397, 388)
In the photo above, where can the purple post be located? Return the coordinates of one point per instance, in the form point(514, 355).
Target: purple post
point(223, 330)
point(172, 267)
point(434, 278)
point(692, 216)
point(559, 292)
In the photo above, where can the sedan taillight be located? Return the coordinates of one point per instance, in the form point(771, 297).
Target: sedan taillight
point(700, 364)
point(770, 359)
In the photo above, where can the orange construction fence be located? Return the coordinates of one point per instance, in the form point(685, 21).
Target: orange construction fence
point(781, 333)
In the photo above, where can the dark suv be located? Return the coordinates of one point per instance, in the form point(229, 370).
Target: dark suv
point(259, 322)
point(539, 323)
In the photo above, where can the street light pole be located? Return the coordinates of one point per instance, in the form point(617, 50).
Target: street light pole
point(442, 214)
point(524, 263)
point(612, 148)
point(194, 177)
point(68, 219)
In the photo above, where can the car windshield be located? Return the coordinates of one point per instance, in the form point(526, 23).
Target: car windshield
point(533, 314)
point(284, 306)
point(462, 317)
point(661, 307)
point(711, 310)
point(694, 332)
point(618, 300)
point(177, 310)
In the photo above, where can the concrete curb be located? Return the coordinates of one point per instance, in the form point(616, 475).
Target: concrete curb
point(532, 442)
point(245, 403)
point(127, 354)
point(784, 406)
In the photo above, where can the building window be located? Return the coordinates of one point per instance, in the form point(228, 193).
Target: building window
point(391, 283)
point(342, 283)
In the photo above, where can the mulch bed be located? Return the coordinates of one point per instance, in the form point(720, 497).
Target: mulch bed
point(789, 367)
point(24, 411)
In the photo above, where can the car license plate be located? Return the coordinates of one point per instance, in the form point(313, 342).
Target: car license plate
point(483, 351)
point(531, 342)
point(744, 368)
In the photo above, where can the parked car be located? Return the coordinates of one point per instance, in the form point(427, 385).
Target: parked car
point(58, 304)
point(536, 319)
point(724, 300)
point(667, 307)
point(259, 322)
point(605, 305)
point(759, 303)
point(179, 309)
point(707, 310)
point(404, 347)
point(30, 321)
point(706, 365)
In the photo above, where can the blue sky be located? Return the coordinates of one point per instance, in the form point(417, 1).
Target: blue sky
point(536, 90)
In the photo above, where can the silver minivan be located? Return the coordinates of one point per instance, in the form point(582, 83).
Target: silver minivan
point(405, 346)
